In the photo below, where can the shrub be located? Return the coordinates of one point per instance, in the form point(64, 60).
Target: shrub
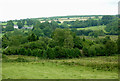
point(35, 52)
point(4, 56)
point(77, 52)
point(94, 50)
point(85, 51)
point(111, 47)
point(61, 52)
point(78, 43)
point(10, 50)
point(35, 45)
point(21, 51)
point(51, 53)
point(40, 53)
point(28, 52)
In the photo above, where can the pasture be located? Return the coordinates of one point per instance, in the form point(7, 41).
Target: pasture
point(93, 28)
point(113, 37)
point(5, 23)
point(81, 68)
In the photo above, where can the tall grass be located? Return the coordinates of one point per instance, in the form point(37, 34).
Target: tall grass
point(107, 63)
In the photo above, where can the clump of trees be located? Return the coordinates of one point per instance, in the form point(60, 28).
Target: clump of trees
point(112, 28)
point(9, 26)
point(20, 24)
point(62, 46)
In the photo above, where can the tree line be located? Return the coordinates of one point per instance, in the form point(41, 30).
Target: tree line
point(62, 44)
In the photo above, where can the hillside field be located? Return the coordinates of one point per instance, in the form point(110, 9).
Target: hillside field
point(113, 37)
point(93, 28)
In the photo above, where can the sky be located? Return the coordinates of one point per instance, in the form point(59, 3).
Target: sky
point(20, 9)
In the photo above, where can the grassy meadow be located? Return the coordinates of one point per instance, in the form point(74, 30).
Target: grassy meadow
point(113, 37)
point(93, 28)
point(15, 23)
point(82, 68)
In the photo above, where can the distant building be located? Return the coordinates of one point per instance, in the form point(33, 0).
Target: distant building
point(42, 21)
point(45, 21)
point(16, 26)
point(4, 26)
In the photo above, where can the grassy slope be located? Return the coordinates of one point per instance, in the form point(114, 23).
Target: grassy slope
point(113, 37)
point(27, 26)
point(57, 69)
point(93, 28)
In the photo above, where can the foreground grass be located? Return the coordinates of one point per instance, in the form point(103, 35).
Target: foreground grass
point(106, 63)
point(58, 69)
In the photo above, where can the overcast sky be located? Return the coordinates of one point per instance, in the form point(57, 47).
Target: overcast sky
point(19, 9)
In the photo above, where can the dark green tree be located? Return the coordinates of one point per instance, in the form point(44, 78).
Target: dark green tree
point(107, 19)
point(111, 47)
point(10, 26)
point(20, 25)
point(32, 37)
point(63, 37)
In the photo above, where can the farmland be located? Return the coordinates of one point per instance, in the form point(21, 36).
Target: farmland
point(81, 68)
point(93, 28)
point(113, 37)
point(15, 23)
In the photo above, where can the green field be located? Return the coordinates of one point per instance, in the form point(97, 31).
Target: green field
point(1, 35)
point(27, 26)
point(93, 28)
point(82, 68)
point(3, 23)
point(15, 23)
point(113, 37)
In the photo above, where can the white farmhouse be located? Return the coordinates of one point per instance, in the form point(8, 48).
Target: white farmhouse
point(16, 26)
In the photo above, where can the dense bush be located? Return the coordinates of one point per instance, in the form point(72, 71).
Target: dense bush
point(10, 51)
point(112, 28)
point(35, 45)
point(78, 43)
point(111, 47)
point(59, 52)
point(51, 53)
point(94, 50)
